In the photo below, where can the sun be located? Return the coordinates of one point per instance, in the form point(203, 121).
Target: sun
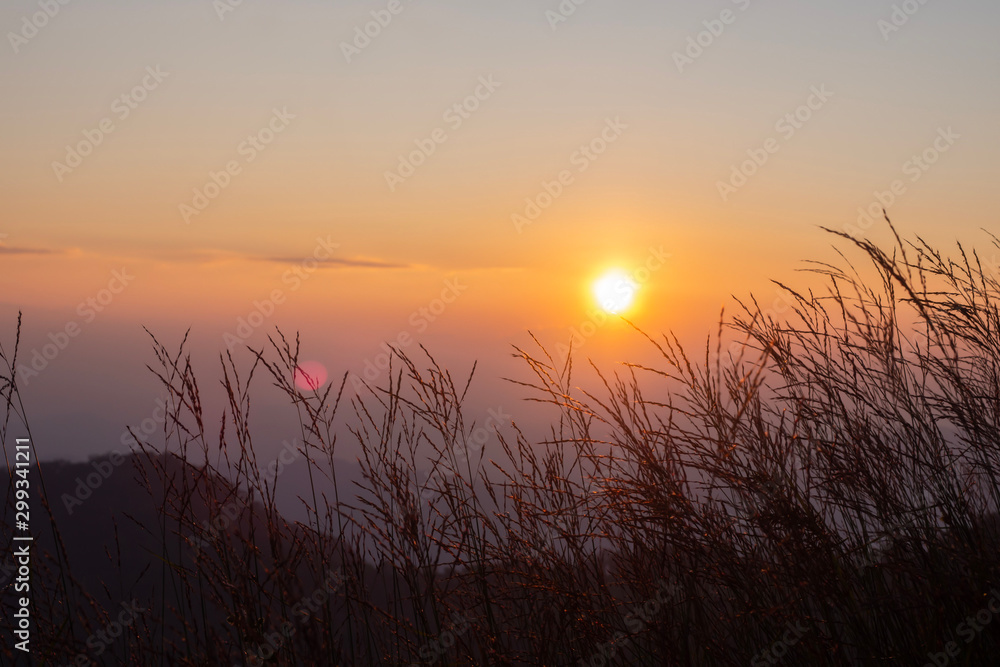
point(615, 291)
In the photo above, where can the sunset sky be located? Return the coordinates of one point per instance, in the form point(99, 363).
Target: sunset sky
point(186, 162)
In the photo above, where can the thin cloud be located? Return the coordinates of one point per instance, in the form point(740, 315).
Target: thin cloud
point(336, 262)
point(14, 250)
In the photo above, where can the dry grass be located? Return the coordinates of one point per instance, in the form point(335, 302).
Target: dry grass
point(835, 472)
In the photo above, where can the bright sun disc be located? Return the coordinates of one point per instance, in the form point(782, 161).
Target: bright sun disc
point(615, 291)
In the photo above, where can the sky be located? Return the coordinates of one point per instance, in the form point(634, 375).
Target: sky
point(454, 174)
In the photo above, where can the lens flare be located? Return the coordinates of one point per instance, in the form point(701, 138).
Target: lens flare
point(310, 375)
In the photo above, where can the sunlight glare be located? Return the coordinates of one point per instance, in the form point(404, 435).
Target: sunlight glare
point(615, 291)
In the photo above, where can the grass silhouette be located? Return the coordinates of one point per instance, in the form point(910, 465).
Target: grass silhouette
point(813, 487)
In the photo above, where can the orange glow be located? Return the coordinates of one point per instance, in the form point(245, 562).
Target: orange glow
point(615, 291)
